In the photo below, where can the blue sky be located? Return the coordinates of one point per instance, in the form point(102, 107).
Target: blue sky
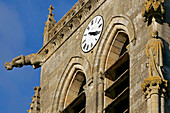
point(21, 29)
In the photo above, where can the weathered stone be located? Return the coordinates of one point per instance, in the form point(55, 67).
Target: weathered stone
point(69, 76)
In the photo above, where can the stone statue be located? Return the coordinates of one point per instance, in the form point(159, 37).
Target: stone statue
point(154, 53)
point(35, 60)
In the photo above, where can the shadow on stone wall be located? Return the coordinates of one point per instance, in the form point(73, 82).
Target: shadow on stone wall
point(167, 12)
point(167, 73)
point(166, 60)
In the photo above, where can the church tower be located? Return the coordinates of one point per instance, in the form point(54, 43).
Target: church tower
point(104, 56)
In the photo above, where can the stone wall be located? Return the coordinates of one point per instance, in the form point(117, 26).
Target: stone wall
point(69, 50)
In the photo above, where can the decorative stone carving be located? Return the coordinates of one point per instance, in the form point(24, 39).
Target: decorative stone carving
point(154, 85)
point(153, 9)
point(50, 21)
point(72, 20)
point(35, 60)
point(35, 105)
point(154, 53)
point(154, 91)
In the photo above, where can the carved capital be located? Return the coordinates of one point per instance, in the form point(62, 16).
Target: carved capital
point(153, 9)
point(154, 85)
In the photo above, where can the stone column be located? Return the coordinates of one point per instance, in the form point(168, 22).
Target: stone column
point(89, 89)
point(154, 89)
point(100, 93)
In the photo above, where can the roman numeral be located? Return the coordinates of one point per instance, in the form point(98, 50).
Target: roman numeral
point(88, 27)
point(99, 21)
point(96, 39)
point(84, 46)
point(87, 47)
point(96, 20)
point(91, 44)
point(100, 25)
point(92, 22)
point(85, 34)
point(84, 41)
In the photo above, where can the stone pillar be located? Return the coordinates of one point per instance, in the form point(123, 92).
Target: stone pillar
point(154, 89)
point(100, 93)
point(89, 89)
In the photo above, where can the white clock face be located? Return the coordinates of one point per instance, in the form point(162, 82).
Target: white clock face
point(92, 34)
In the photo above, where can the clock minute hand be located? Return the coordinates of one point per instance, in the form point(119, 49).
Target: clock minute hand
point(94, 33)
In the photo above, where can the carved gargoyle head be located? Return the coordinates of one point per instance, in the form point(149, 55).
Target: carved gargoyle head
point(8, 65)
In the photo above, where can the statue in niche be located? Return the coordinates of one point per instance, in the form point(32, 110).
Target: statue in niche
point(154, 53)
point(33, 59)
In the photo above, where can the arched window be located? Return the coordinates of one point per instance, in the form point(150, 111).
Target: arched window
point(75, 99)
point(117, 75)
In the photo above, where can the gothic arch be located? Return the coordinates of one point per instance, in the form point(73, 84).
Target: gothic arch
point(118, 24)
point(75, 65)
point(75, 87)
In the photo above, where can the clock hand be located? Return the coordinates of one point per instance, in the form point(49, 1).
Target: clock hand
point(94, 33)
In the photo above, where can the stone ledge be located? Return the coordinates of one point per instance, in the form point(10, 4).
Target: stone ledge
point(58, 35)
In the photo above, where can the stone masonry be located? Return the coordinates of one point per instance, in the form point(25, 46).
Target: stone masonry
point(69, 75)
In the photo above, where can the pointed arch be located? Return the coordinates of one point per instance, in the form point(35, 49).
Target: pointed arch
point(117, 35)
point(75, 65)
point(118, 24)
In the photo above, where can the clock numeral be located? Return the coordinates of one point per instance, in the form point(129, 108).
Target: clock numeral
point(96, 20)
point(96, 39)
point(84, 46)
point(87, 47)
point(85, 34)
point(99, 20)
point(88, 27)
point(84, 41)
point(92, 22)
point(100, 25)
point(91, 44)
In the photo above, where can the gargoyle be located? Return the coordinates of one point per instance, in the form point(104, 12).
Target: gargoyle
point(35, 60)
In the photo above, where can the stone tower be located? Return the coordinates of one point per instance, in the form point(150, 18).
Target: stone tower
point(104, 56)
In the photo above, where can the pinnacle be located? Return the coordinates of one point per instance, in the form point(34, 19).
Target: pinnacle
point(51, 9)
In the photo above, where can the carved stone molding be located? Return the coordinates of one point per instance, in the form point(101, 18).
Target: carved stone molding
point(70, 23)
point(50, 21)
point(35, 105)
point(153, 9)
point(154, 85)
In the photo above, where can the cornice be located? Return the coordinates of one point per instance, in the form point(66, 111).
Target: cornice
point(72, 20)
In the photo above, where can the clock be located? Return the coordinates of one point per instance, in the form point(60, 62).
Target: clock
point(92, 34)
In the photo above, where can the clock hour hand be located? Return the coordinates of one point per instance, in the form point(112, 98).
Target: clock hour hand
point(94, 33)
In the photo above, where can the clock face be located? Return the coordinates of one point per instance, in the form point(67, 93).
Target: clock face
point(92, 34)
